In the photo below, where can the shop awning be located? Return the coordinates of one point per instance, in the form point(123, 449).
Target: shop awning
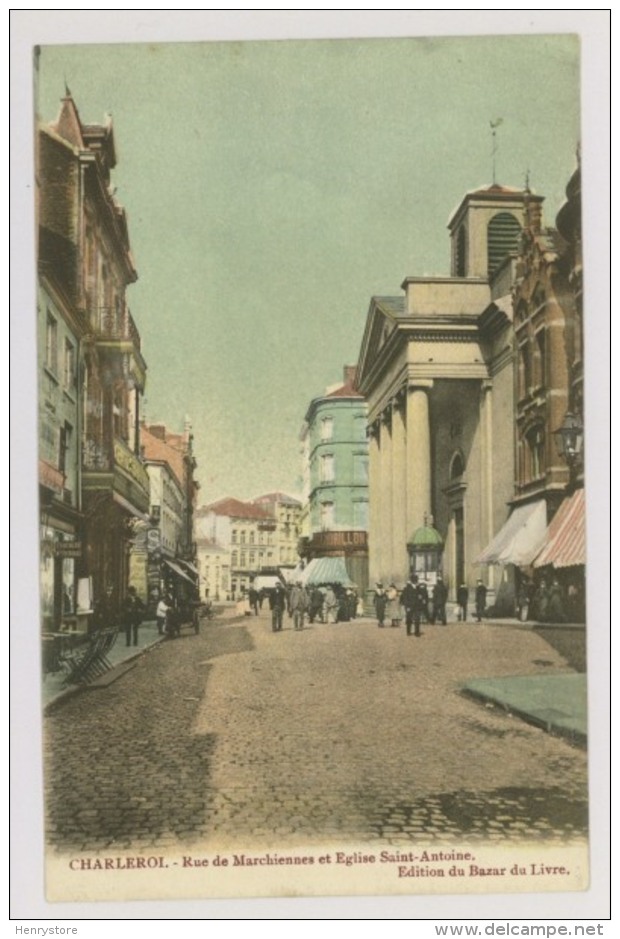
point(189, 567)
point(566, 535)
point(520, 539)
point(179, 571)
point(326, 571)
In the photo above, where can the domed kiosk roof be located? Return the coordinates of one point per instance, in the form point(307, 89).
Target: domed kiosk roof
point(426, 537)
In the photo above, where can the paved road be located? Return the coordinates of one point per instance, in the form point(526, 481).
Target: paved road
point(347, 732)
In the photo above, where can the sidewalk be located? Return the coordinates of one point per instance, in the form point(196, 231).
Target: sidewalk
point(557, 703)
point(53, 686)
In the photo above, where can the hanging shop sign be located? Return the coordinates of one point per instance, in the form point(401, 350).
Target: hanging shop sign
point(68, 549)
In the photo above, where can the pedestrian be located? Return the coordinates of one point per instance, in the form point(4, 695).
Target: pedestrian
point(462, 598)
point(414, 598)
point(351, 603)
point(315, 608)
point(393, 605)
point(440, 598)
point(161, 615)
point(133, 611)
point(380, 601)
point(555, 609)
point(253, 597)
point(277, 604)
point(330, 605)
point(298, 605)
point(481, 600)
point(540, 602)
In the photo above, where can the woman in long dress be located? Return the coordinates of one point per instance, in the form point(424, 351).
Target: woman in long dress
point(393, 610)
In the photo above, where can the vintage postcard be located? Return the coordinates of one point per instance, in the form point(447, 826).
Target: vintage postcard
point(311, 428)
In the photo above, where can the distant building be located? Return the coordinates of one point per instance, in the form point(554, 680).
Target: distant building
point(163, 552)
point(335, 473)
point(237, 537)
point(286, 511)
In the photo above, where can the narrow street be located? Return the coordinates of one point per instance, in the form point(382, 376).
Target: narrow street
point(240, 735)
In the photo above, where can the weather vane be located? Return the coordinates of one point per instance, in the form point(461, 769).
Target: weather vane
point(494, 125)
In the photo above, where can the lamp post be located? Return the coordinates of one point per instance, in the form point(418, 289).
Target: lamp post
point(569, 441)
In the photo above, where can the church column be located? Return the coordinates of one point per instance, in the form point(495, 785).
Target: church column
point(374, 497)
point(400, 566)
point(486, 463)
point(418, 448)
point(385, 502)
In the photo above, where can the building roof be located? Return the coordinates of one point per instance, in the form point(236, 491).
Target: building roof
point(234, 508)
point(166, 449)
point(281, 497)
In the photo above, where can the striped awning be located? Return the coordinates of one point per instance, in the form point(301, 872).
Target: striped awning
point(326, 571)
point(178, 571)
point(521, 537)
point(566, 535)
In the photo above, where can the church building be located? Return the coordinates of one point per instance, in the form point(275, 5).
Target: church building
point(436, 369)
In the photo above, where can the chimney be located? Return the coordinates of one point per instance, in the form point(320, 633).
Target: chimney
point(350, 372)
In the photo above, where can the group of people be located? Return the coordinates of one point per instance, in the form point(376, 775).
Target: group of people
point(331, 603)
point(418, 604)
point(414, 601)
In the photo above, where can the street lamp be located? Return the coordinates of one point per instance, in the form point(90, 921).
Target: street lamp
point(569, 438)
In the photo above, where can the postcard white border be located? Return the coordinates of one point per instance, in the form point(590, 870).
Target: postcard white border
point(45, 27)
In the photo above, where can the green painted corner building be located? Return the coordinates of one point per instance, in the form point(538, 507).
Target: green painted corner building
point(335, 465)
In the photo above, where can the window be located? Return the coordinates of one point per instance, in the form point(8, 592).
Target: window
point(242, 559)
point(524, 370)
point(242, 537)
point(251, 537)
point(360, 515)
point(69, 366)
point(234, 536)
point(327, 515)
point(535, 440)
point(327, 428)
point(326, 468)
point(64, 445)
point(460, 253)
point(51, 344)
point(234, 558)
point(360, 468)
point(457, 466)
point(360, 427)
point(541, 371)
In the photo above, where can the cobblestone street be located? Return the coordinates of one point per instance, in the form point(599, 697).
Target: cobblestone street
point(348, 732)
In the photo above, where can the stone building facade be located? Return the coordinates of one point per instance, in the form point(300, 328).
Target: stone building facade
point(92, 372)
point(436, 369)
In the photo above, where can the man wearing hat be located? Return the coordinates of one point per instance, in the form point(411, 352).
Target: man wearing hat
point(277, 604)
point(380, 604)
point(440, 597)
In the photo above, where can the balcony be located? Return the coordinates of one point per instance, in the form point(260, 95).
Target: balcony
point(118, 338)
point(117, 469)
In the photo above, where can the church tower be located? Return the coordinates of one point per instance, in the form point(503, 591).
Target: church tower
point(485, 228)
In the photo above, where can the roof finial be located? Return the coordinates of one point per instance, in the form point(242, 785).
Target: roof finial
point(527, 180)
point(67, 89)
point(494, 125)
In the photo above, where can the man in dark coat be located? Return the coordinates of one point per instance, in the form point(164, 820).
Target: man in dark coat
point(440, 598)
point(481, 600)
point(414, 598)
point(462, 598)
point(277, 604)
point(133, 611)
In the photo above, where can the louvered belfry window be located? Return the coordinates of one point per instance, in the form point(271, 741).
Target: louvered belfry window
point(503, 238)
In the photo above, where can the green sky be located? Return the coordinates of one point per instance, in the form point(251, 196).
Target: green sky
point(272, 188)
